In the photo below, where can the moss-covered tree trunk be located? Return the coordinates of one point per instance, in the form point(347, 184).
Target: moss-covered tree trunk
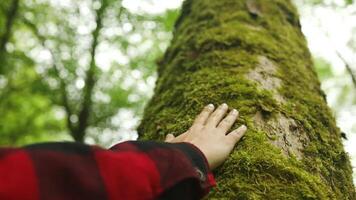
point(252, 55)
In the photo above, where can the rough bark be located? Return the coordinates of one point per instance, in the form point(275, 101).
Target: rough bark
point(252, 55)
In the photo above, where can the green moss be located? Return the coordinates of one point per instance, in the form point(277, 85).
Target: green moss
point(215, 44)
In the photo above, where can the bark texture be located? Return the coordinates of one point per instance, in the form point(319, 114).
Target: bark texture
point(252, 55)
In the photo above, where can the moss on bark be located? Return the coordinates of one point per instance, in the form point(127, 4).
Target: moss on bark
point(252, 55)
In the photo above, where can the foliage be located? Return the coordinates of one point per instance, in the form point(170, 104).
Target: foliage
point(53, 49)
point(316, 2)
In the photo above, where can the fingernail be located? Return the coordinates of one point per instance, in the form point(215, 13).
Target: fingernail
point(211, 106)
point(243, 128)
point(234, 111)
point(224, 105)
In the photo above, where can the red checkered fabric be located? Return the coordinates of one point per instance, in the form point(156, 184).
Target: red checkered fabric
point(132, 170)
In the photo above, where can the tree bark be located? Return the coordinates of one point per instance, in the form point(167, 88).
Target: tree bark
point(252, 55)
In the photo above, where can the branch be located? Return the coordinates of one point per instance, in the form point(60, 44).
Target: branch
point(347, 65)
point(10, 17)
point(348, 68)
point(86, 105)
point(63, 85)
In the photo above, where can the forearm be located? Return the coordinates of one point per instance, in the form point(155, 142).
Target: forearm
point(129, 170)
point(181, 167)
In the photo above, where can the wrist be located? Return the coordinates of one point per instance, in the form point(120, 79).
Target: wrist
point(202, 154)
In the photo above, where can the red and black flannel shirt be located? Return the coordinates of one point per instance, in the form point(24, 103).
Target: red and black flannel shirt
point(131, 170)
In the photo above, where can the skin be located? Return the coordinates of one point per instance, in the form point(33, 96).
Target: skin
point(209, 133)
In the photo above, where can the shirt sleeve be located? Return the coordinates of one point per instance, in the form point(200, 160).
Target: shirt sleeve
point(183, 169)
point(129, 170)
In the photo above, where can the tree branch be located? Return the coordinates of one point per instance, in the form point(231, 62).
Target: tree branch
point(63, 85)
point(86, 104)
point(348, 67)
point(10, 18)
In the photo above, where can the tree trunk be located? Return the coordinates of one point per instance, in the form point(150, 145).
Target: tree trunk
point(5, 37)
point(252, 55)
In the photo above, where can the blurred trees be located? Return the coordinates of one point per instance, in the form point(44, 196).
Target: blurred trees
point(24, 108)
point(341, 7)
point(69, 67)
point(331, 25)
point(8, 21)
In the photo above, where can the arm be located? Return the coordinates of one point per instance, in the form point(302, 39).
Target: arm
point(131, 170)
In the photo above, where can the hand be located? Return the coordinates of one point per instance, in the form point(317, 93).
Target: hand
point(208, 133)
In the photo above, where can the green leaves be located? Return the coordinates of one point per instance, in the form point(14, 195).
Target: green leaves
point(348, 2)
point(316, 2)
point(26, 112)
point(323, 68)
point(45, 70)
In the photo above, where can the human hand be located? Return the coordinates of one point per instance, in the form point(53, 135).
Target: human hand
point(208, 133)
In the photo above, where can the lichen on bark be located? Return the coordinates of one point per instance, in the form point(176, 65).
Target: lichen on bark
point(252, 55)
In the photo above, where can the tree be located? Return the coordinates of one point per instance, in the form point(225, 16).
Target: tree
point(26, 113)
point(77, 127)
point(63, 71)
point(252, 55)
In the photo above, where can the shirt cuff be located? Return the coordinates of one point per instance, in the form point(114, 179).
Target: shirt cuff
point(183, 168)
point(200, 163)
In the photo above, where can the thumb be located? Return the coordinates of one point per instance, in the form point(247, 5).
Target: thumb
point(237, 134)
point(169, 137)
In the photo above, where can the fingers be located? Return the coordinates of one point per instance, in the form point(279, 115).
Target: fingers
point(169, 137)
point(227, 123)
point(237, 134)
point(204, 115)
point(217, 115)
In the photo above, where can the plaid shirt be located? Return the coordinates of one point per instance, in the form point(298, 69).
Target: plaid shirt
point(131, 170)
